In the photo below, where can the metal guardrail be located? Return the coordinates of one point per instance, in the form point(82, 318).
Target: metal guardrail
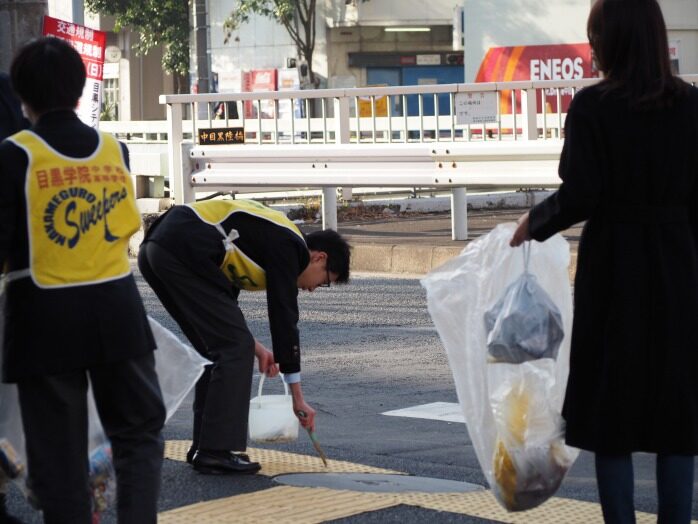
point(408, 116)
point(452, 166)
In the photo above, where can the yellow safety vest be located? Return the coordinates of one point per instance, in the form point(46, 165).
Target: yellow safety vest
point(81, 213)
point(239, 268)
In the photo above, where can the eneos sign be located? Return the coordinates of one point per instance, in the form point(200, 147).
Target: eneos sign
point(537, 62)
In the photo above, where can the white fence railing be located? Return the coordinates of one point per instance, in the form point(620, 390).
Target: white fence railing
point(406, 114)
point(387, 116)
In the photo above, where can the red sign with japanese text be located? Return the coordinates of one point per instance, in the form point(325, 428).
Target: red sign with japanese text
point(90, 44)
point(537, 62)
point(259, 80)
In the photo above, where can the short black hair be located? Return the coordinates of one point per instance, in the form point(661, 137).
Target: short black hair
point(337, 249)
point(47, 74)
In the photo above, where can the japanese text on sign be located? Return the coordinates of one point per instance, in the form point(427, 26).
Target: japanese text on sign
point(476, 108)
point(90, 44)
point(221, 135)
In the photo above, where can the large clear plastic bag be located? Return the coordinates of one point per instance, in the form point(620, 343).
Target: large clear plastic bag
point(512, 411)
point(524, 324)
point(178, 367)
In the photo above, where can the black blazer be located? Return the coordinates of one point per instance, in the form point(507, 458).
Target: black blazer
point(52, 331)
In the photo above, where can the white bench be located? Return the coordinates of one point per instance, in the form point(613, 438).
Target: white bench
point(515, 164)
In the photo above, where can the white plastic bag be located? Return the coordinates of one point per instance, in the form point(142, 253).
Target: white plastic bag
point(524, 324)
point(178, 367)
point(512, 411)
point(271, 417)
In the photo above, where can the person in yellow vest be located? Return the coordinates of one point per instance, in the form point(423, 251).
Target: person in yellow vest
point(197, 257)
point(73, 312)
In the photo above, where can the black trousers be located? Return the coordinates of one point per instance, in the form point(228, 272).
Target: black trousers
point(54, 416)
point(211, 319)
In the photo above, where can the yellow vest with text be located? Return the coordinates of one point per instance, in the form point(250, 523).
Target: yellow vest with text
point(81, 213)
point(239, 268)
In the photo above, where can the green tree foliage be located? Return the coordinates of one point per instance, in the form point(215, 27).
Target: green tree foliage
point(297, 17)
point(157, 22)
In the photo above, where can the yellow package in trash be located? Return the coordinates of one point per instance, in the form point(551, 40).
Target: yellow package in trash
point(528, 467)
point(504, 471)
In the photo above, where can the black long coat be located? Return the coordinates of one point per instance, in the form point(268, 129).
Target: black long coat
point(633, 176)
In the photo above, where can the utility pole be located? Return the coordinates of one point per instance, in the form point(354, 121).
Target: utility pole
point(20, 21)
point(203, 70)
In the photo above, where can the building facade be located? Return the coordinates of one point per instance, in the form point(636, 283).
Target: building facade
point(373, 43)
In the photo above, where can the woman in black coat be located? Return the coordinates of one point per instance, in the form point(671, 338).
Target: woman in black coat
point(629, 167)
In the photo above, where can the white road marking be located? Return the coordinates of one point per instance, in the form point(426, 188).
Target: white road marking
point(445, 411)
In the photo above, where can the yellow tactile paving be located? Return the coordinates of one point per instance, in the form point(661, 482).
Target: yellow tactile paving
point(482, 504)
point(279, 505)
point(280, 462)
point(289, 504)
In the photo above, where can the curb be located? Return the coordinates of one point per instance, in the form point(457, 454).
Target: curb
point(400, 258)
point(406, 258)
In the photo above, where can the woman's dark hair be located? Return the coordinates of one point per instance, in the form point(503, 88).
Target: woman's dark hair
point(48, 73)
point(629, 42)
point(337, 249)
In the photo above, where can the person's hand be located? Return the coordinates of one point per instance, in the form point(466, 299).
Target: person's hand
point(305, 414)
point(521, 234)
point(265, 359)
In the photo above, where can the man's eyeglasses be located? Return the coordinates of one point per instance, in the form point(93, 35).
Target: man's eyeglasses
point(326, 284)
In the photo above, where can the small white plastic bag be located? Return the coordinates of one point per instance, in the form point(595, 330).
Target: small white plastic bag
point(272, 420)
point(459, 293)
point(524, 324)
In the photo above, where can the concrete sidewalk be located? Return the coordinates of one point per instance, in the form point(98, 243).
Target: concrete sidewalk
point(417, 243)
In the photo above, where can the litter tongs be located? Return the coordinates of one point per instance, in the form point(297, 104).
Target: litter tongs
point(314, 440)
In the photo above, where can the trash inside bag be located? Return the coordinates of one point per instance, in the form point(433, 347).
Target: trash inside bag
point(524, 324)
point(530, 459)
point(512, 411)
point(102, 478)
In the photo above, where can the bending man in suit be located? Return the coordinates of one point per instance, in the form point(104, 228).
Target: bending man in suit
point(197, 257)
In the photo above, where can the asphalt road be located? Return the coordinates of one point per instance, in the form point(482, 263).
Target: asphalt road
point(367, 347)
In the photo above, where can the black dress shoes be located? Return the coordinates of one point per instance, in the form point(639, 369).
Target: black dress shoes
point(192, 452)
point(216, 462)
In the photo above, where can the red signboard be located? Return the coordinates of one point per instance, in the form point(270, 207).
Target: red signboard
point(259, 80)
point(537, 62)
point(90, 43)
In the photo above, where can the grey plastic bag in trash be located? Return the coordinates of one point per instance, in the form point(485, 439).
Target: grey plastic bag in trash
point(524, 324)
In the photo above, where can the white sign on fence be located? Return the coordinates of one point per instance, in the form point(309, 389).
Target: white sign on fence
point(476, 108)
point(428, 60)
